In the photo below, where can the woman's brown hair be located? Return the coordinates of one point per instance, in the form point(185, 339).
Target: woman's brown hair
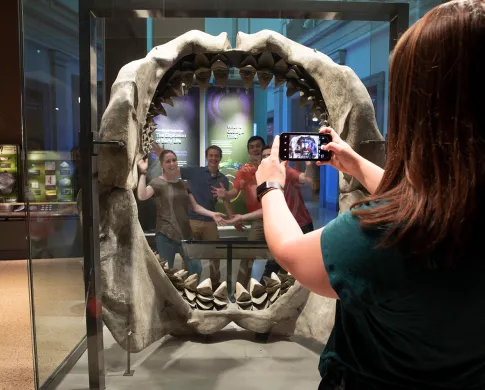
point(432, 189)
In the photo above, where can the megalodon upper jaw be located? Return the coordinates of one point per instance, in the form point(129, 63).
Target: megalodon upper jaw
point(131, 95)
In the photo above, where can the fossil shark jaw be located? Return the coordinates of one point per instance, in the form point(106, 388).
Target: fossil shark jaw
point(138, 296)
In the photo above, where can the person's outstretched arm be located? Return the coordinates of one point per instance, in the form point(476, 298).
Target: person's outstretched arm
point(217, 217)
point(143, 191)
point(300, 254)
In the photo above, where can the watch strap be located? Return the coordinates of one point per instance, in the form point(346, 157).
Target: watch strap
point(266, 187)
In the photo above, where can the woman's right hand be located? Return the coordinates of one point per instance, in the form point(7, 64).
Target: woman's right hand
point(344, 158)
point(143, 165)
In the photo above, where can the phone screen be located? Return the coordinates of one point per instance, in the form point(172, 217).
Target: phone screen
point(304, 147)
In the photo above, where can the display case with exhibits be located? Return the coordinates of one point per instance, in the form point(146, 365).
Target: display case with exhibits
point(9, 173)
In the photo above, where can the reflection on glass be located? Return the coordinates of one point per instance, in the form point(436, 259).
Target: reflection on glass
point(51, 109)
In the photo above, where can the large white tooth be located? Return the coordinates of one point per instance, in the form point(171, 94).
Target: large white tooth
point(205, 287)
point(275, 277)
point(242, 295)
point(204, 305)
point(182, 274)
point(221, 292)
point(257, 292)
point(191, 283)
point(266, 61)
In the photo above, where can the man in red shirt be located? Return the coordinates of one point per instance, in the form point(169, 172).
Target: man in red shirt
point(246, 181)
point(294, 200)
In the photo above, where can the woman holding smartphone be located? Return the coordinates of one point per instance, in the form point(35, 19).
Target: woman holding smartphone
point(173, 199)
point(406, 264)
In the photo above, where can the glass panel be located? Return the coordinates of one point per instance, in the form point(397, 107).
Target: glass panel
point(51, 109)
point(192, 119)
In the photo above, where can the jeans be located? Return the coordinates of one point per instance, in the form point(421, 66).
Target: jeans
point(167, 248)
point(272, 266)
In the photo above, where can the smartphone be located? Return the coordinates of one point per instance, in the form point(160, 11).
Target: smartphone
point(304, 147)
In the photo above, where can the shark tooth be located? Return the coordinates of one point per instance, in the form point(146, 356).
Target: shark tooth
point(305, 100)
point(220, 57)
point(174, 77)
point(182, 274)
point(204, 305)
point(178, 88)
point(249, 60)
point(257, 292)
point(205, 288)
point(266, 60)
point(187, 77)
point(221, 73)
point(279, 79)
point(193, 305)
point(203, 77)
point(221, 292)
point(281, 67)
point(247, 74)
point(275, 277)
point(261, 306)
point(242, 295)
point(160, 110)
point(291, 74)
point(273, 297)
point(297, 70)
point(168, 101)
point(204, 298)
point(191, 283)
point(218, 302)
point(201, 61)
point(186, 65)
point(163, 263)
point(168, 93)
point(304, 83)
point(190, 295)
point(264, 77)
point(270, 282)
point(292, 88)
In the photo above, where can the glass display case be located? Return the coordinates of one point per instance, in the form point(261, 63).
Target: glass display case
point(130, 79)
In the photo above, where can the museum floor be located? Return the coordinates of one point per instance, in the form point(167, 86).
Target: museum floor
point(59, 314)
point(230, 359)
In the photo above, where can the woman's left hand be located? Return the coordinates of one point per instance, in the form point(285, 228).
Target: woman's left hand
point(217, 217)
point(271, 169)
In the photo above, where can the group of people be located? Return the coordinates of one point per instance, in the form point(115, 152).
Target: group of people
point(186, 198)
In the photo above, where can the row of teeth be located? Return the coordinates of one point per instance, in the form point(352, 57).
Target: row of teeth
point(202, 296)
point(200, 71)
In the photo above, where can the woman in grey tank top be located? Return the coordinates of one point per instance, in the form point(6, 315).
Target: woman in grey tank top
point(173, 199)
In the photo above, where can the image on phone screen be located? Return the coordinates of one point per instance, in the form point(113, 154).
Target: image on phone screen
point(304, 146)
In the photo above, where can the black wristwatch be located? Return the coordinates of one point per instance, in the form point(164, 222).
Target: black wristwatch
point(266, 187)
